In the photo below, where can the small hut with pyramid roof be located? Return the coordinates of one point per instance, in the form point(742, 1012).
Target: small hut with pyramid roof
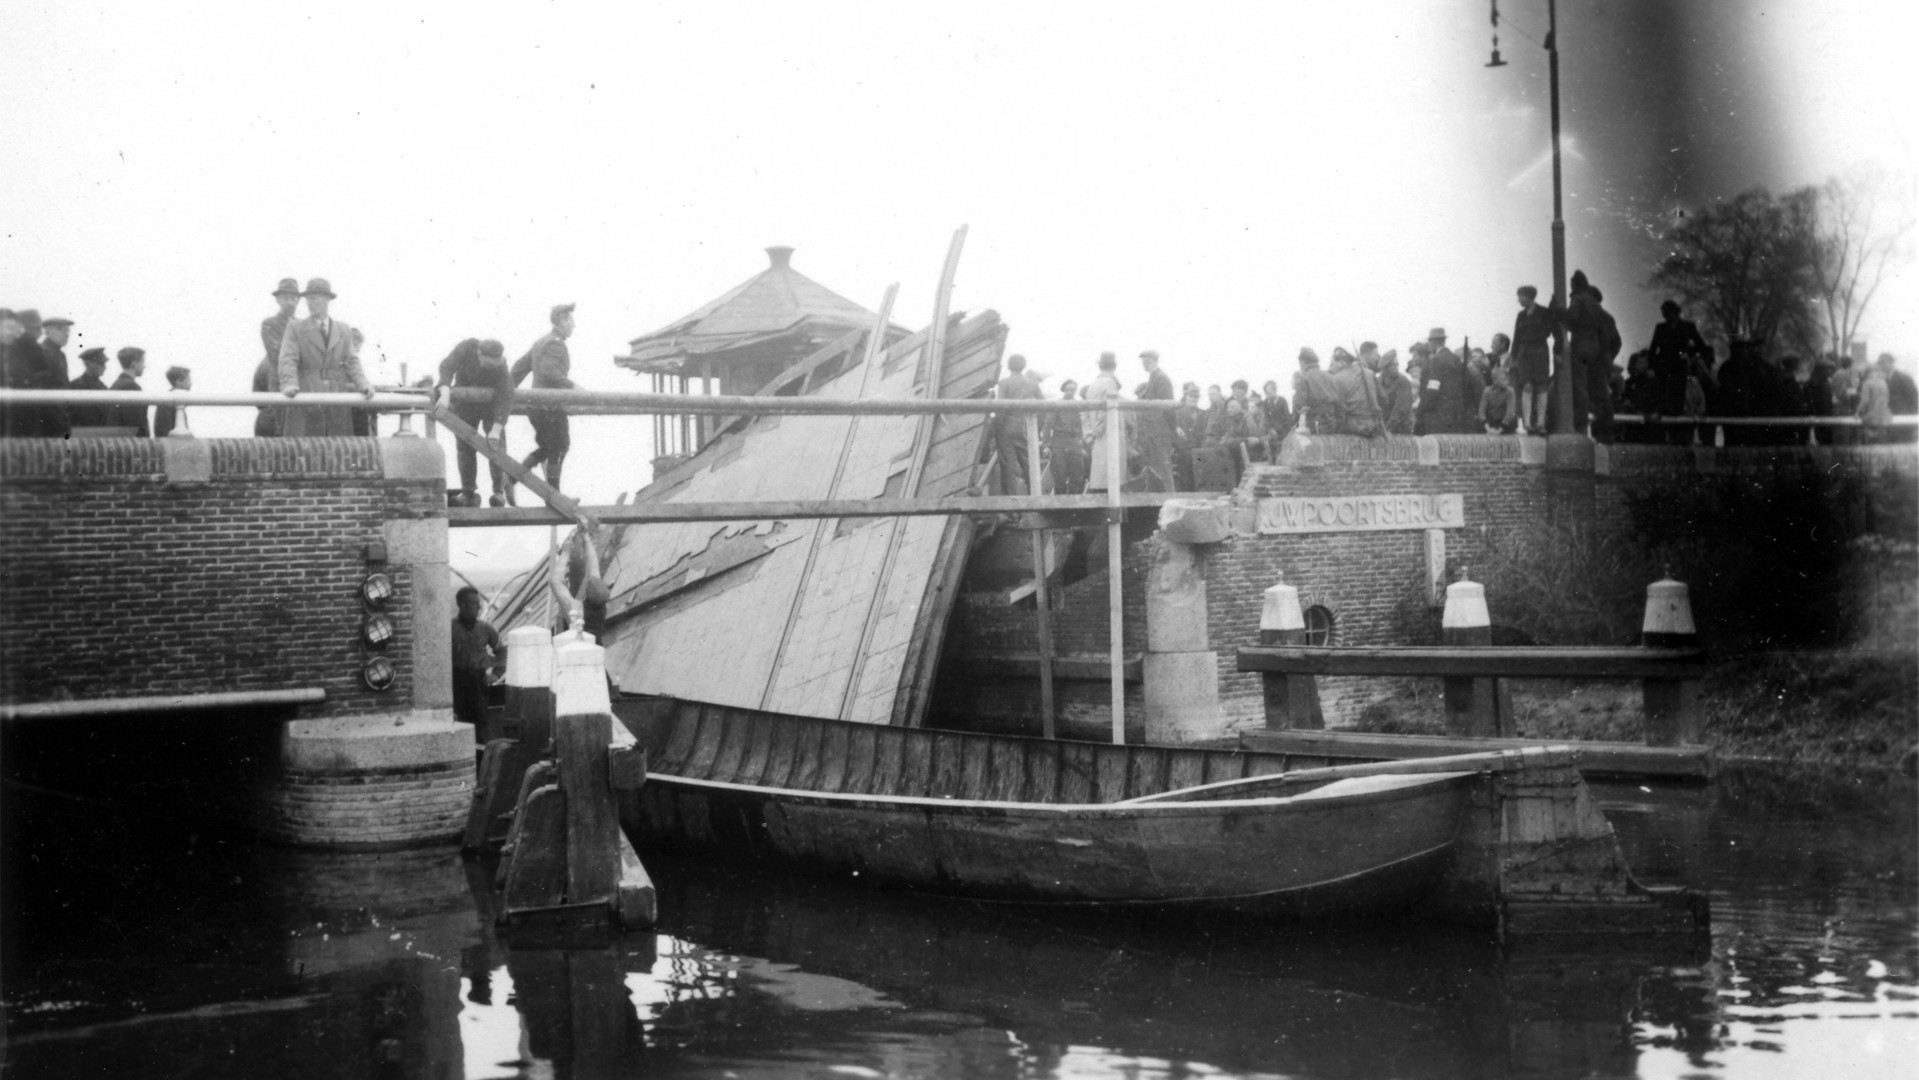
point(740, 342)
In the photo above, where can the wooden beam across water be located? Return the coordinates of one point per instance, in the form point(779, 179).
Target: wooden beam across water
point(1092, 508)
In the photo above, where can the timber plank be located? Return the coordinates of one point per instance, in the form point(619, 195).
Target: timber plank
point(1006, 776)
point(707, 733)
point(1538, 662)
point(976, 768)
point(759, 751)
point(682, 739)
point(1111, 768)
point(1078, 768)
point(946, 773)
point(592, 844)
point(782, 753)
point(1185, 768)
point(734, 736)
point(806, 755)
point(1224, 767)
point(835, 757)
point(862, 768)
point(536, 873)
point(1043, 770)
point(1145, 771)
point(916, 766)
point(888, 746)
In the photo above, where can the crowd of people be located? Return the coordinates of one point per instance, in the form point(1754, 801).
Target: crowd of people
point(1213, 432)
point(317, 353)
point(1503, 389)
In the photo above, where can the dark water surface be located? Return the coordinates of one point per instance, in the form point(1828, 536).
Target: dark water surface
point(138, 945)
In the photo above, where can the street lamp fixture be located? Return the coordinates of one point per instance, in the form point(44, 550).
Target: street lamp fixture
point(1562, 387)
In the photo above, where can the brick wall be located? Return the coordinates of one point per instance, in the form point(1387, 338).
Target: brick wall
point(1370, 581)
point(134, 567)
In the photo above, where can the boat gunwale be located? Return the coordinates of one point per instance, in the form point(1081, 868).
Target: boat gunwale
point(1421, 784)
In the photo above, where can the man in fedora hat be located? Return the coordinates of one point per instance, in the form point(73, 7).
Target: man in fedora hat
point(266, 374)
point(321, 354)
point(94, 360)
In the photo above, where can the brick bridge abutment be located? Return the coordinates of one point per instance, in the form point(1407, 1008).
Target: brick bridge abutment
point(172, 569)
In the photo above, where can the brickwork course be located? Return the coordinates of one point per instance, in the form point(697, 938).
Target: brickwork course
point(133, 567)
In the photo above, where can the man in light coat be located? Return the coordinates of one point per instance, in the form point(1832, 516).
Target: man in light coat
point(320, 354)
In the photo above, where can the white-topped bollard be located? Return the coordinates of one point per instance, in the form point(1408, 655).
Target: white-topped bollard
point(1474, 706)
point(529, 685)
point(1672, 705)
point(1668, 623)
point(1280, 620)
point(1292, 701)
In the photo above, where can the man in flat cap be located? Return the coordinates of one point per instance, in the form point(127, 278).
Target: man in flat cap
point(94, 361)
point(321, 354)
point(133, 364)
point(266, 374)
point(1156, 430)
point(25, 365)
point(549, 363)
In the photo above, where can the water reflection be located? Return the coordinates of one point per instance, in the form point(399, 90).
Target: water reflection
point(135, 945)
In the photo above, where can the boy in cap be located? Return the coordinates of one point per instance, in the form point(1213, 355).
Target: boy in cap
point(172, 419)
point(549, 363)
point(94, 363)
point(133, 364)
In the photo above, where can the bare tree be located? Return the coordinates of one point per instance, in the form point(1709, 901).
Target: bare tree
point(1742, 264)
point(1862, 224)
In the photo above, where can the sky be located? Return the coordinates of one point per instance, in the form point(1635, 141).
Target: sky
point(1223, 182)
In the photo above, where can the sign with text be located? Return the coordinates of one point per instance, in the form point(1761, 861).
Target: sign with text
point(1361, 513)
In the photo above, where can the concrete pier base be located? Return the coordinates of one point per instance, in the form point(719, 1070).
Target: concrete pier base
point(368, 782)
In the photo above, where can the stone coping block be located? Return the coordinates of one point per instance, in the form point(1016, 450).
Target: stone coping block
point(196, 459)
point(376, 741)
point(1307, 450)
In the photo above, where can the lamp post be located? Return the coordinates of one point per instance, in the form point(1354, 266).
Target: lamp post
point(1562, 387)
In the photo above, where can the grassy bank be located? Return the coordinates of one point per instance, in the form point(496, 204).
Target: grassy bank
point(1858, 709)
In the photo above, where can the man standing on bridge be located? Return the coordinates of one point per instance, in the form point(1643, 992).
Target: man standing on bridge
point(266, 375)
point(477, 651)
point(549, 363)
point(321, 354)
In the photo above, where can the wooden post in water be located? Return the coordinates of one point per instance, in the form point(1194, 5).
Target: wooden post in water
point(1115, 614)
point(568, 851)
point(528, 715)
point(1671, 705)
point(1292, 701)
point(523, 732)
point(1038, 539)
point(1474, 706)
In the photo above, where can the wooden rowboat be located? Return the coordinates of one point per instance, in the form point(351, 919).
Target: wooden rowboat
point(1045, 821)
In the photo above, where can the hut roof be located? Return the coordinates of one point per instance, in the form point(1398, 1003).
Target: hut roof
point(773, 303)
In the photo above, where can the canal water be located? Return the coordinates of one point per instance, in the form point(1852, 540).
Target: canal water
point(139, 941)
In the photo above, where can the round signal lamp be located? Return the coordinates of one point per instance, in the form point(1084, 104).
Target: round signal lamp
point(376, 590)
point(378, 673)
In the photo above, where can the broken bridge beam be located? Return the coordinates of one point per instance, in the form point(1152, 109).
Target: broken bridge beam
point(1092, 507)
point(563, 505)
